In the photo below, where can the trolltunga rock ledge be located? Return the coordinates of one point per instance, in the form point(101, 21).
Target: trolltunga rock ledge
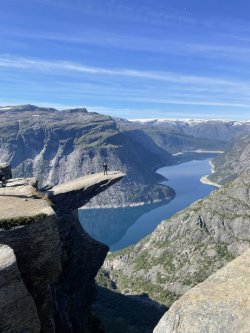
point(76, 193)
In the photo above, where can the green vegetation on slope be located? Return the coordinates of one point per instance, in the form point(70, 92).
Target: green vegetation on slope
point(184, 250)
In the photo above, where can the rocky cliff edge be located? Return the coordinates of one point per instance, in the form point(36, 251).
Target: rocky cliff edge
point(47, 261)
point(219, 304)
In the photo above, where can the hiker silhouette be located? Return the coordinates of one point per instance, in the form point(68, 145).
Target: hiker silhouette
point(105, 168)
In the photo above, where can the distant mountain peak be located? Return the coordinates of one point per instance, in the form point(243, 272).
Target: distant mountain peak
point(190, 121)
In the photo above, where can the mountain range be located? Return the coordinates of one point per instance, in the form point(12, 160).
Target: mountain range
point(56, 146)
point(224, 130)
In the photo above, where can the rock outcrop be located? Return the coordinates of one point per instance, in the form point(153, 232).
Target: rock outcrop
point(17, 308)
point(29, 226)
point(219, 304)
point(56, 259)
point(76, 193)
point(81, 255)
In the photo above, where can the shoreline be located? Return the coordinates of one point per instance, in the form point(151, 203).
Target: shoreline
point(199, 151)
point(138, 203)
point(203, 180)
point(206, 181)
point(135, 204)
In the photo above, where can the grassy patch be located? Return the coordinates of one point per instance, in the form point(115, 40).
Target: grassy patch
point(223, 252)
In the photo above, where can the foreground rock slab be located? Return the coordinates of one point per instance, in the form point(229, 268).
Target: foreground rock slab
point(29, 226)
point(20, 204)
point(47, 261)
point(13, 296)
point(219, 304)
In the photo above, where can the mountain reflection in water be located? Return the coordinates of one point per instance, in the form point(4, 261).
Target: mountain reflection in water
point(109, 225)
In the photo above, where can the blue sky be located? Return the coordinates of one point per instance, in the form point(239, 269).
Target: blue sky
point(128, 58)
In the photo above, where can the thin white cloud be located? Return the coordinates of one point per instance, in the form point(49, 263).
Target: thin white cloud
point(162, 89)
point(26, 63)
point(194, 103)
point(165, 46)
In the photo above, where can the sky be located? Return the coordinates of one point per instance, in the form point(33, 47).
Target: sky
point(128, 58)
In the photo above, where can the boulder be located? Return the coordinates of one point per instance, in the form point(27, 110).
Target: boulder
point(17, 307)
point(219, 304)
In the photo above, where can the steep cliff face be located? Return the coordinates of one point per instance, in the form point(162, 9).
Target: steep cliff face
point(219, 304)
point(187, 248)
point(231, 164)
point(13, 292)
point(29, 226)
point(56, 259)
point(81, 255)
point(57, 146)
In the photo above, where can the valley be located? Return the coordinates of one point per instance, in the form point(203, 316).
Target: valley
point(185, 249)
point(127, 226)
point(151, 263)
point(124, 166)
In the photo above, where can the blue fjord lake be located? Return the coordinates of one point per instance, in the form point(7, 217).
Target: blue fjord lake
point(121, 227)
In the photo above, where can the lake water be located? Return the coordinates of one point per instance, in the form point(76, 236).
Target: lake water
point(121, 227)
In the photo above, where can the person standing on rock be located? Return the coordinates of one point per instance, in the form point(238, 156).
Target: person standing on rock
point(105, 168)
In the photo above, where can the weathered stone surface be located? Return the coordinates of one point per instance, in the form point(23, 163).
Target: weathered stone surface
point(219, 304)
point(81, 258)
point(81, 255)
point(53, 252)
point(76, 193)
point(29, 227)
point(20, 204)
point(18, 312)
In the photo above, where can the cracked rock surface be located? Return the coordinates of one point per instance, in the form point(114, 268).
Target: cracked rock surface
point(219, 304)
